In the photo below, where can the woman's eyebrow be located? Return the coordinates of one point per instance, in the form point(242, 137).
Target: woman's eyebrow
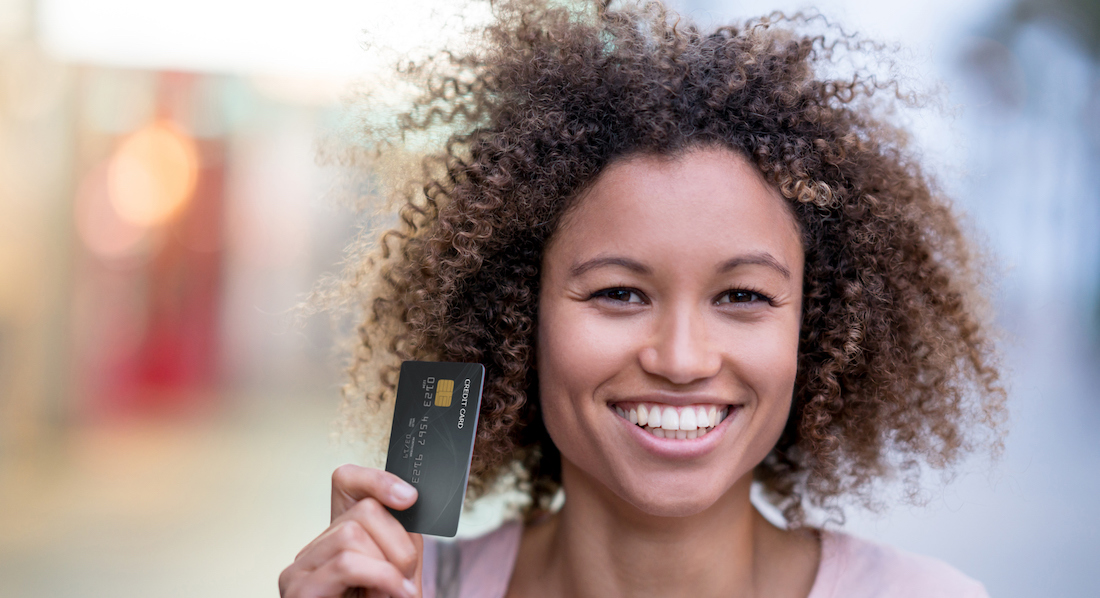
point(759, 259)
point(599, 262)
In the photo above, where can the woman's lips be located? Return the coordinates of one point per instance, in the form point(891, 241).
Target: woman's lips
point(681, 422)
point(676, 444)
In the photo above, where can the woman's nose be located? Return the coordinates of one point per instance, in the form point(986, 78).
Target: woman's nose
point(681, 349)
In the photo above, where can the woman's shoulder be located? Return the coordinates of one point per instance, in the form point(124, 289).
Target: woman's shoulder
point(855, 568)
point(480, 566)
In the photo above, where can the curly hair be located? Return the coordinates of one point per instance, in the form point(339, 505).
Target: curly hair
point(896, 366)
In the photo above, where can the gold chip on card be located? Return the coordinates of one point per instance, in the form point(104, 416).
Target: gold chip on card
point(443, 392)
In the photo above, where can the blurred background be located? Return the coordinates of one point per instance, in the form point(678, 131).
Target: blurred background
point(166, 427)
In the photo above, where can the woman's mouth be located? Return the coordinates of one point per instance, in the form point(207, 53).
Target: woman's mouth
point(665, 421)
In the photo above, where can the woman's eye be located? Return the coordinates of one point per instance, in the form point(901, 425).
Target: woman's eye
point(620, 295)
point(737, 296)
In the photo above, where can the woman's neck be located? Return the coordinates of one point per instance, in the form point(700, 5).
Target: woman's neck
point(599, 545)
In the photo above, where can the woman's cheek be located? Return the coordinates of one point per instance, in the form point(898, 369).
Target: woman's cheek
point(578, 352)
point(561, 352)
point(773, 367)
point(582, 348)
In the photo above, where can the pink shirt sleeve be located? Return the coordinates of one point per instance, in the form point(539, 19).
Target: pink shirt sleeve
point(476, 568)
point(855, 568)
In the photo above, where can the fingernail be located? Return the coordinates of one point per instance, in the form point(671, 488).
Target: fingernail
point(410, 588)
point(402, 491)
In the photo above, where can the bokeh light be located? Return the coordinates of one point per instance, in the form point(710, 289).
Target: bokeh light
point(152, 174)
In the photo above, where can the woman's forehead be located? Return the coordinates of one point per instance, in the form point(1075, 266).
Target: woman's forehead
point(704, 203)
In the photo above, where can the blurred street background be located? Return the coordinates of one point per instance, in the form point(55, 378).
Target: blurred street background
point(167, 426)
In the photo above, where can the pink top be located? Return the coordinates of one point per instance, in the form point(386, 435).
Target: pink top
point(850, 568)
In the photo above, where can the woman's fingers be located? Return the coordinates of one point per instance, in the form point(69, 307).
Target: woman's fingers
point(389, 535)
point(351, 484)
point(350, 569)
point(370, 529)
point(343, 535)
point(330, 549)
point(364, 546)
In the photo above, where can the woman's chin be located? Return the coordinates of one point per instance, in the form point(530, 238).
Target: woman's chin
point(674, 507)
point(677, 491)
point(675, 498)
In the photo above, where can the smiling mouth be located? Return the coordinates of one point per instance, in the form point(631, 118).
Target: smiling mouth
point(665, 421)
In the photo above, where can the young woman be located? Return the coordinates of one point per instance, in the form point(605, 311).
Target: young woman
point(689, 263)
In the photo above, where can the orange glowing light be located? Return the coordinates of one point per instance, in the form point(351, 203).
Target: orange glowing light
point(152, 174)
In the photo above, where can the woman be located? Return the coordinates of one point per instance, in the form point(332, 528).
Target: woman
point(688, 263)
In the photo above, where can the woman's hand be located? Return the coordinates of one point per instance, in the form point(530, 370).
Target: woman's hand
point(364, 546)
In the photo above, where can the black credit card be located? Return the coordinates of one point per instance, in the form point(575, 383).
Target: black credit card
point(432, 440)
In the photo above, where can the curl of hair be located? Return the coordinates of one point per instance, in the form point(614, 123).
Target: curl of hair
point(896, 368)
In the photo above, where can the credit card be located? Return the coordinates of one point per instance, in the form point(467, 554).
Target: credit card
point(432, 440)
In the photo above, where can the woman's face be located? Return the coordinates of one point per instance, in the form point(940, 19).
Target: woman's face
point(674, 287)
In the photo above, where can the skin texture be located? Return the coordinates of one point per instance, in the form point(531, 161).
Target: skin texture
point(676, 281)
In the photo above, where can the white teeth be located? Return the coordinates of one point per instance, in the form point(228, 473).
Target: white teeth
point(670, 420)
point(684, 423)
point(687, 420)
point(655, 417)
point(677, 434)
